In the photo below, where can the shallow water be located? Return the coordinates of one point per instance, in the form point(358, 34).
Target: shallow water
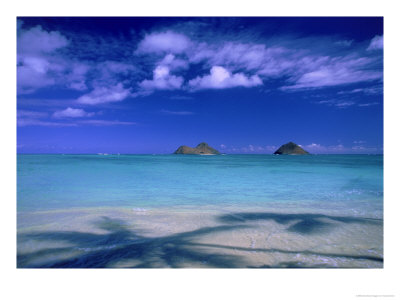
point(200, 211)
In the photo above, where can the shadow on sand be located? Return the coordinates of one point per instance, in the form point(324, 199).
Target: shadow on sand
point(298, 223)
point(121, 244)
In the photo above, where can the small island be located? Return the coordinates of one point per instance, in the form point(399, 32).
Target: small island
point(200, 149)
point(291, 149)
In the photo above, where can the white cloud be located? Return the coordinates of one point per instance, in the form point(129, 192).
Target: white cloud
point(345, 103)
point(368, 91)
point(36, 59)
point(105, 94)
point(72, 113)
point(168, 41)
point(76, 76)
point(336, 71)
point(35, 122)
point(40, 64)
point(315, 148)
point(220, 78)
point(174, 63)
point(36, 41)
point(301, 63)
point(269, 149)
point(297, 60)
point(344, 43)
point(235, 55)
point(376, 43)
point(368, 104)
point(32, 76)
point(337, 103)
point(162, 80)
point(359, 147)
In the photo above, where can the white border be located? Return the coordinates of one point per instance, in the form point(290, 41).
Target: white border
point(188, 283)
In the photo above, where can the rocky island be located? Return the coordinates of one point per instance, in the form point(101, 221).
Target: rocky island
point(202, 149)
point(291, 148)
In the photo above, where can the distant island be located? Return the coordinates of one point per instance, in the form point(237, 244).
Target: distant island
point(201, 149)
point(292, 149)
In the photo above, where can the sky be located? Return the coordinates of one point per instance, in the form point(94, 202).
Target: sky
point(243, 85)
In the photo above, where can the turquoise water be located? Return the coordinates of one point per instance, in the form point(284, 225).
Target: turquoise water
point(340, 182)
point(156, 211)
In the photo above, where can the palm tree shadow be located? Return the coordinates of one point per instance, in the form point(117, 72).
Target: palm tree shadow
point(305, 224)
point(121, 244)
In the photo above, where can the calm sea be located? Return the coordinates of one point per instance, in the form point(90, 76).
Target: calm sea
point(348, 183)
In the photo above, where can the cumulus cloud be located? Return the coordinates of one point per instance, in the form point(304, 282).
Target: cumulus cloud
point(36, 59)
point(162, 80)
point(220, 78)
point(40, 64)
point(162, 42)
point(72, 113)
point(36, 40)
point(299, 63)
point(174, 63)
point(376, 43)
point(104, 95)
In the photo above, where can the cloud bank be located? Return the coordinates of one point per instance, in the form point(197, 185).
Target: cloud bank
point(173, 59)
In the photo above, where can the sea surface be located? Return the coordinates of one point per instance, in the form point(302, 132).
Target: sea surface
point(333, 203)
point(327, 181)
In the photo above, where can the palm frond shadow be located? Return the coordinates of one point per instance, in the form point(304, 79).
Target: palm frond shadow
point(120, 243)
point(305, 223)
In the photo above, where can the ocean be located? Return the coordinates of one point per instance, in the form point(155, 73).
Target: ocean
point(326, 209)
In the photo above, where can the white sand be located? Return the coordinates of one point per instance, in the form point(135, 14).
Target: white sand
point(197, 238)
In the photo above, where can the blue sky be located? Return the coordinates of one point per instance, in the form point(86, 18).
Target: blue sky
point(244, 85)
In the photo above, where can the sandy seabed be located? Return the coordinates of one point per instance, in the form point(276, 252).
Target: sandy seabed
point(198, 237)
